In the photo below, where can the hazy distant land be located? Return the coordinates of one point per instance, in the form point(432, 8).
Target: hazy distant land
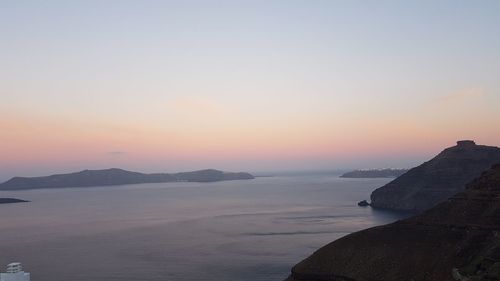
point(114, 176)
point(375, 173)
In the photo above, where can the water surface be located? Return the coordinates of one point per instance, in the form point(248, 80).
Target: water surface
point(233, 230)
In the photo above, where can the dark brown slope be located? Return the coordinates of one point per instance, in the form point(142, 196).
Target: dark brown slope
point(436, 180)
point(456, 240)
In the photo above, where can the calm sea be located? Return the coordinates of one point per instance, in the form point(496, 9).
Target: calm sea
point(226, 231)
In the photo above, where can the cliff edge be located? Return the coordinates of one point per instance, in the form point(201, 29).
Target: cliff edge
point(436, 180)
point(458, 239)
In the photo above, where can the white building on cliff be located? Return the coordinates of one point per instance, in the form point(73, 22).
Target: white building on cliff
point(14, 273)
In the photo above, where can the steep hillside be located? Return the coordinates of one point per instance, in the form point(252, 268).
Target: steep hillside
point(438, 179)
point(458, 239)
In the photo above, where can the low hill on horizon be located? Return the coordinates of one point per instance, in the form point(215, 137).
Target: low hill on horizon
point(374, 173)
point(115, 176)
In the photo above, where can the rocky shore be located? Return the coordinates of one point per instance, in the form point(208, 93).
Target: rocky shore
point(459, 239)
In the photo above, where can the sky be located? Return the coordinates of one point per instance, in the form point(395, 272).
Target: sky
point(165, 86)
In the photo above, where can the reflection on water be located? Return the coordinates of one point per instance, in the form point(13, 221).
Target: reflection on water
point(235, 230)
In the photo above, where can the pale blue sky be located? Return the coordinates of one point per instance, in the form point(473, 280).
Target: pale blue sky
point(322, 66)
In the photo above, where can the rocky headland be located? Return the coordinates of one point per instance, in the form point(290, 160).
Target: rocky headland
point(459, 239)
point(374, 173)
point(436, 180)
point(89, 178)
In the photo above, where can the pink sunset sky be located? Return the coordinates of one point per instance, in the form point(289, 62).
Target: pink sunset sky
point(243, 85)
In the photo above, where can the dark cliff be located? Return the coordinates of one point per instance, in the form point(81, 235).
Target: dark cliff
point(88, 178)
point(436, 180)
point(458, 239)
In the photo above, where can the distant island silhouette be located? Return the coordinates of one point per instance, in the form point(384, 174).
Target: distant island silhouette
point(375, 173)
point(114, 176)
